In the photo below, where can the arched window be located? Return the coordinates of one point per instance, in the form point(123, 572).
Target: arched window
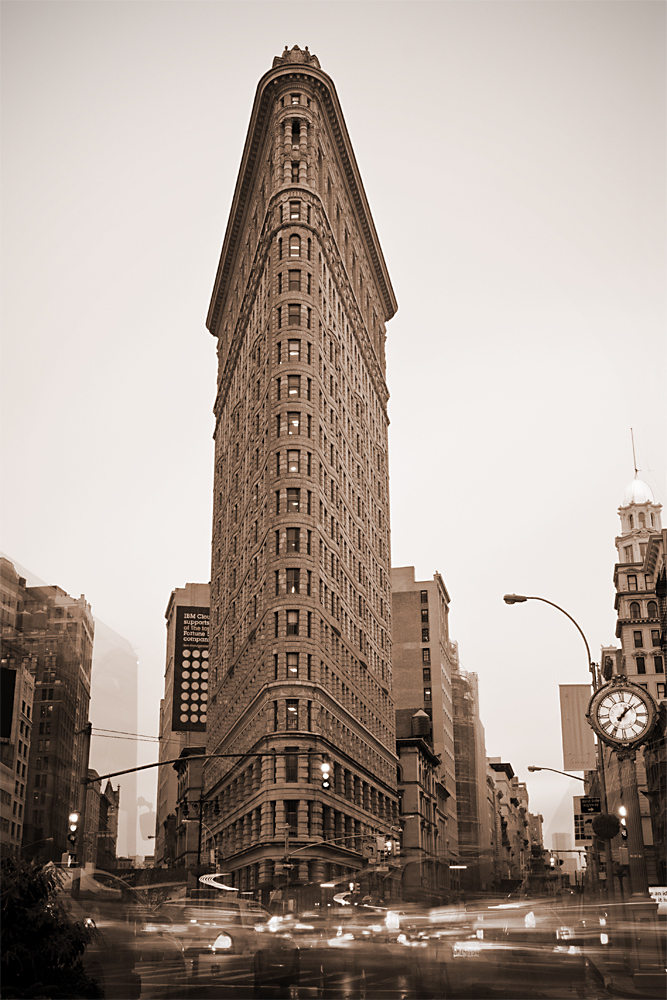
point(652, 609)
point(295, 246)
point(635, 610)
point(632, 521)
point(651, 520)
point(642, 519)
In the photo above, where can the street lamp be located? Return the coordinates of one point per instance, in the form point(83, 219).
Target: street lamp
point(595, 681)
point(532, 767)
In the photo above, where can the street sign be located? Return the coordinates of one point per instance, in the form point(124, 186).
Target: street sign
point(590, 804)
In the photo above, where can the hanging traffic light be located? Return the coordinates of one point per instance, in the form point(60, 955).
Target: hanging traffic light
point(325, 768)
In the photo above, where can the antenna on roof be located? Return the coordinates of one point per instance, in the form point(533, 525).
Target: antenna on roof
point(634, 457)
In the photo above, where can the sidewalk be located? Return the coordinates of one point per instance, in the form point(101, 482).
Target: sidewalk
point(620, 982)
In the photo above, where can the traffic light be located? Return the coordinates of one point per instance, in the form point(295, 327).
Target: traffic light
point(73, 831)
point(624, 830)
point(325, 768)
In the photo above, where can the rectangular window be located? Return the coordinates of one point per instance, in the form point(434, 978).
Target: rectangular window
point(277, 501)
point(425, 635)
point(293, 581)
point(275, 716)
point(295, 178)
point(275, 624)
point(639, 640)
point(277, 543)
point(277, 579)
point(293, 539)
point(423, 596)
point(293, 461)
point(294, 314)
point(293, 500)
point(293, 422)
point(309, 580)
point(632, 582)
point(294, 350)
point(627, 553)
point(280, 282)
point(658, 665)
point(294, 281)
point(655, 637)
point(424, 614)
point(661, 691)
point(292, 666)
point(291, 766)
point(427, 694)
point(295, 209)
point(310, 658)
point(294, 386)
point(275, 657)
point(292, 623)
point(294, 98)
point(291, 714)
point(292, 816)
point(426, 655)
point(641, 664)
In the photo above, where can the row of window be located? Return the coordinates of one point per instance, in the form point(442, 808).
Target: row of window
point(658, 664)
point(632, 581)
point(294, 314)
point(293, 352)
point(291, 387)
point(651, 611)
point(294, 281)
point(638, 637)
point(295, 503)
point(295, 423)
point(293, 582)
point(294, 245)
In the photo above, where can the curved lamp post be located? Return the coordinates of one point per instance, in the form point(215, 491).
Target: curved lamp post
point(595, 680)
point(532, 767)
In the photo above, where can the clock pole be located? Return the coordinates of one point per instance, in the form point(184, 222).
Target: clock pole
point(627, 767)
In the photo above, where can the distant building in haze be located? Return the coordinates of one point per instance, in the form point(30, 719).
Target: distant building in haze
point(114, 707)
point(474, 828)
point(300, 597)
point(16, 710)
point(52, 635)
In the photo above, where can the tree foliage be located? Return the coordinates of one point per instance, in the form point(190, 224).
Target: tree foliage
point(42, 947)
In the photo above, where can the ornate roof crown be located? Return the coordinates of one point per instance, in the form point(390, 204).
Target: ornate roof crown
point(296, 55)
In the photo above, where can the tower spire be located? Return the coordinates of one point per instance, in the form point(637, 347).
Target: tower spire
point(634, 457)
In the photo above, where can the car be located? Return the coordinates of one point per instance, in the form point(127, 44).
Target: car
point(221, 941)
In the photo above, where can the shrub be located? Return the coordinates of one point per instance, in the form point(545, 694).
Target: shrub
point(41, 946)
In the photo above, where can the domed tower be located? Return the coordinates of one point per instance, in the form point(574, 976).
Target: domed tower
point(638, 625)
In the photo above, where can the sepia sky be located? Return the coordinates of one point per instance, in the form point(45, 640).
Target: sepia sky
point(513, 154)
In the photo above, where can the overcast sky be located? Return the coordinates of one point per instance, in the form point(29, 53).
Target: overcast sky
point(513, 155)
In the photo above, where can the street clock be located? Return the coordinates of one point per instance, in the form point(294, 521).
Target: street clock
point(622, 713)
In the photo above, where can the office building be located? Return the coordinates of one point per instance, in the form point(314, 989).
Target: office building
point(424, 662)
point(300, 597)
point(180, 727)
point(474, 829)
point(53, 636)
point(640, 655)
point(16, 710)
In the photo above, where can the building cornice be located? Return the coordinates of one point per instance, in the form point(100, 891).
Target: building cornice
point(257, 131)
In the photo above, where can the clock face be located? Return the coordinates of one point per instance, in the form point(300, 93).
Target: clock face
point(623, 715)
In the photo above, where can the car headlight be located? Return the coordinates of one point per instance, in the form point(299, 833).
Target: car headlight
point(223, 942)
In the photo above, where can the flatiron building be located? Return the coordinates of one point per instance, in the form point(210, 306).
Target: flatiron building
point(300, 635)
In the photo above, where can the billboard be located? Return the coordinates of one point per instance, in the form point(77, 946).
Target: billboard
point(578, 743)
point(190, 697)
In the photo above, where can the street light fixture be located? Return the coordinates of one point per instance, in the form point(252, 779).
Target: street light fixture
point(595, 681)
point(532, 767)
